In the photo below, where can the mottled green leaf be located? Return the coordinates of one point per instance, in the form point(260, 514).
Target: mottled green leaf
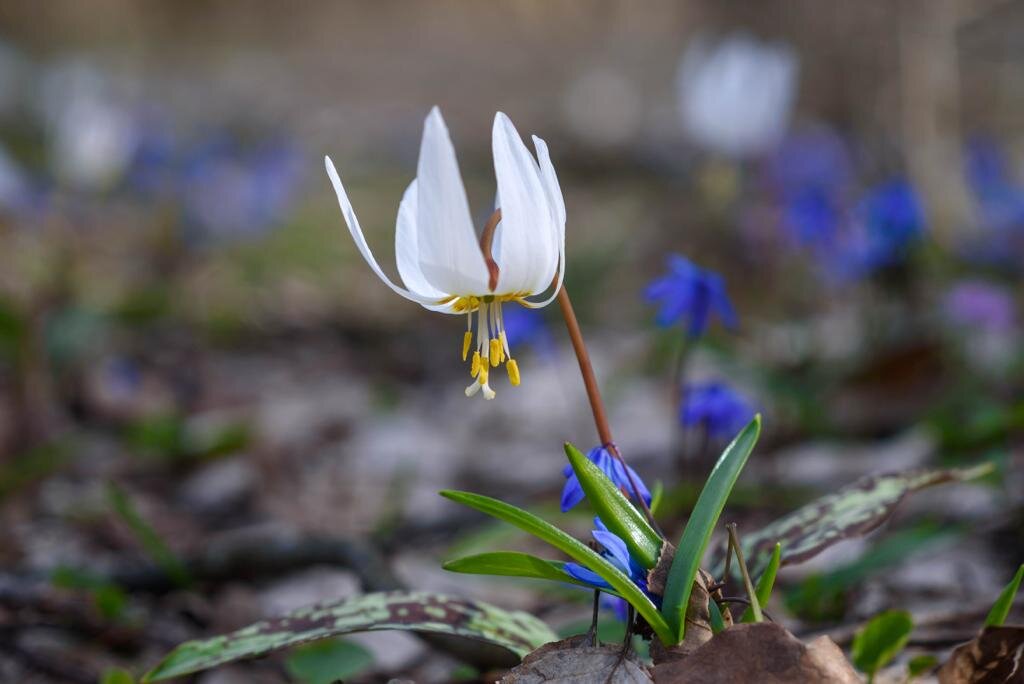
point(852, 511)
point(1001, 608)
point(880, 640)
point(702, 523)
point(406, 610)
point(327, 661)
point(765, 583)
point(512, 564)
point(616, 512)
point(572, 547)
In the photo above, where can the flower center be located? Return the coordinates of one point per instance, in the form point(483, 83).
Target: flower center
point(491, 343)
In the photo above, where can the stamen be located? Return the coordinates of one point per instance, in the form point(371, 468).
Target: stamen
point(474, 368)
point(467, 340)
point(504, 346)
point(513, 372)
point(495, 352)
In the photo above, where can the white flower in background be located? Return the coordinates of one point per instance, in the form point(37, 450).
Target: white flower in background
point(735, 97)
point(439, 257)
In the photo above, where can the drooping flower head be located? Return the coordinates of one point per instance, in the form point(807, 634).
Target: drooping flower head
point(442, 264)
point(615, 552)
point(717, 407)
point(617, 472)
point(691, 294)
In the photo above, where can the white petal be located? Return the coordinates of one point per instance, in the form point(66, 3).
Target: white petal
point(554, 191)
point(526, 219)
point(364, 249)
point(407, 246)
point(449, 253)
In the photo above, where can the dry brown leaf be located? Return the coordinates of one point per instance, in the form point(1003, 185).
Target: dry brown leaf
point(760, 652)
point(996, 656)
point(573, 663)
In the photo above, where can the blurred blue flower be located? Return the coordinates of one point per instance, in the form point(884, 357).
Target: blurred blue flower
point(690, 293)
point(614, 550)
point(977, 304)
point(717, 407)
point(890, 221)
point(812, 217)
point(527, 327)
point(618, 473)
point(999, 197)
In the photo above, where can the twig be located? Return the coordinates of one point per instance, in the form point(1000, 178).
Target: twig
point(734, 541)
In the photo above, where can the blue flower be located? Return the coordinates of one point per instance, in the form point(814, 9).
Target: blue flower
point(527, 327)
point(615, 552)
point(717, 407)
point(618, 473)
point(690, 293)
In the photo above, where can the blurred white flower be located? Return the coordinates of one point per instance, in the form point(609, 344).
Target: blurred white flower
point(438, 255)
point(735, 97)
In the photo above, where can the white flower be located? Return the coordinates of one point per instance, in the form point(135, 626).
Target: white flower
point(735, 97)
point(439, 257)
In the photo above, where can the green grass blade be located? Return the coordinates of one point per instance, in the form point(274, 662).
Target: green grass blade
point(615, 510)
point(657, 497)
point(512, 564)
point(147, 537)
point(572, 547)
point(702, 522)
point(716, 619)
point(765, 583)
point(1001, 608)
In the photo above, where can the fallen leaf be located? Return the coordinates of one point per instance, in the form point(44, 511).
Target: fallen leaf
point(571, 662)
point(996, 656)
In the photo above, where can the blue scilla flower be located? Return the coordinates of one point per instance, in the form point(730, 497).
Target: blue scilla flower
point(999, 198)
point(717, 407)
point(527, 327)
point(615, 551)
point(690, 293)
point(618, 473)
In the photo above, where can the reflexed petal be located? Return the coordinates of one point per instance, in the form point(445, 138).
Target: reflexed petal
point(527, 251)
point(577, 571)
point(407, 246)
point(449, 254)
point(616, 548)
point(352, 222)
point(572, 493)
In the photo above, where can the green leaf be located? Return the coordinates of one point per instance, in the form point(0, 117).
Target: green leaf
point(117, 675)
point(1001, 608)
point(701, 524)
point(512, 564)
point(920, 664)
point(657, 497)
point(150, 540)
point(615, 510)
point(852, 511)
point(716, 619)
point(765, 583)
point(328, 661)
point(572, 547)
point(419, 611)
point(880, 640)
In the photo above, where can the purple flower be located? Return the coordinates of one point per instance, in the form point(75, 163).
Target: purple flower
point(717, 407)
point(615, 552)
point(692, 294)
point(975, 303)
point(618, 473)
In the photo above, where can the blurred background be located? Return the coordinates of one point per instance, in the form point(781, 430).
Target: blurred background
point(212, 411)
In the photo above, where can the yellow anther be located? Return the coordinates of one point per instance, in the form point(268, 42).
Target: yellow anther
point(466, 341)
point(482, 378)
point(504, 343)
point(475, 367)
point(495, 352)
point(513, 372)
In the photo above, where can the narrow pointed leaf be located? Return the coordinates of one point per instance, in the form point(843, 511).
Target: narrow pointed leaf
point(701, 524)
point(765, 583)
point(1001, 608)
point(716, 619)
point(615, 510)
point(419, 611)
point(881, 640)
point(572, 547)
point(512, 564)
point(657, 497)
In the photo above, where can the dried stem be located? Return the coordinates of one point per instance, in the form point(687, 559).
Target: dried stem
point(734, 541)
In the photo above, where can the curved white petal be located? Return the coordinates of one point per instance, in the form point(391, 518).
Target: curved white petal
point(554, 190)
point(449, 254)
point(527, 251)
point(407, 246)
point(364, 249)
